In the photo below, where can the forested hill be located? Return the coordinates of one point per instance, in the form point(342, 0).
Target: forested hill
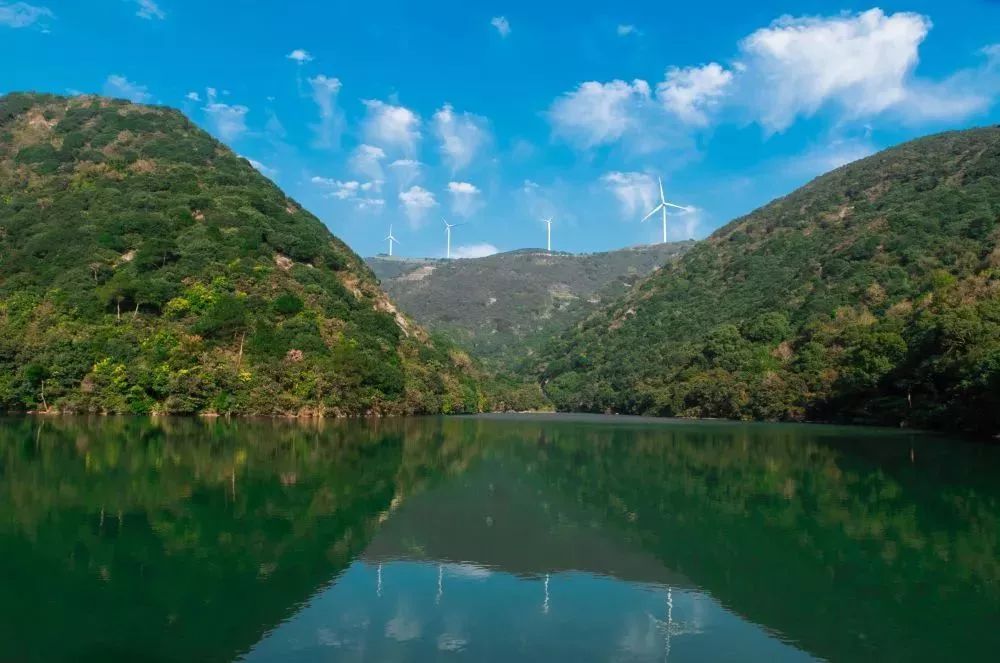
point(145, 267)
point(870, 294)
point(503, 306)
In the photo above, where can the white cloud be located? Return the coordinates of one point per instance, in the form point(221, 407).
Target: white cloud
point(465, 198)
point(149, 10)
point(858, 66)
point(636, 192)
point(501, 24)
point(479, 250)
point(462, 136)
point(324, 93)
point(625, 30)
point(416, 202)
point(391, 126)
point(264, 170)
point(599, 113)
point(300, 55)
point(228, 120)
point(192, 96)
point(23, 15)
point(962, 94)
point(690, 93)
point(858, 62)
point(406, 171)
point(362, 194)
point(367, 160)
point(118, 86)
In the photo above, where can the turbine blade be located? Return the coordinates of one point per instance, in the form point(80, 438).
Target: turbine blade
point(686, 209)
point(663, 200)
point(655, 210)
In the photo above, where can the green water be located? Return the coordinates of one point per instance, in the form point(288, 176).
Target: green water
point(492, 539)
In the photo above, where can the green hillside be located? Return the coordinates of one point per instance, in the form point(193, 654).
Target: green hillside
point(502, 307)
point(145, 267)
point(870, 294)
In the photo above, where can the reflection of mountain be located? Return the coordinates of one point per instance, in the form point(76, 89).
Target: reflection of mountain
point(498, 517)
point(848, 543)
point(209, 535)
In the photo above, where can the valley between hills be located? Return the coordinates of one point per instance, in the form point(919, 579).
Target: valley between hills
point(146, 268)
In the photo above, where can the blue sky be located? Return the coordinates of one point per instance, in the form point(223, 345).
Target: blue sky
point(498, 114)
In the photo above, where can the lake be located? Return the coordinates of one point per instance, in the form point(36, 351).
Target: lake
point(494, 538)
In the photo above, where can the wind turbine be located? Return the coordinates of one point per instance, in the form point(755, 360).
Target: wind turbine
point(391, 240)
point(548, 234)
point(447, 232)
point(662, 207)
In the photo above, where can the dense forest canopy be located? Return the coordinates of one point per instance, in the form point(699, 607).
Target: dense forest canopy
point(503, 307)
point(145, 267)
point(871, 294)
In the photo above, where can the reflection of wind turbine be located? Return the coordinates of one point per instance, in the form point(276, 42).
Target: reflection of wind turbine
point(671, 628)
point(378, 585)
point(548, 234)
point(391, 240)
point(545, 603)
point(447, 232)
point(662, 207)
point(437, 599)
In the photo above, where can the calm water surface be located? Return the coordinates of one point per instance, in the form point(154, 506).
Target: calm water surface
point(492, 539)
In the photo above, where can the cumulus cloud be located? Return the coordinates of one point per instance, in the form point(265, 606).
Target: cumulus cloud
point(300, 55)
point(23, 15)
point(324, 93)
point(364, 195)
point(192, 96)
point(117, 85)
point(501, 24)
point(462, 136)
point(465, 198)
point(479, 250)
point(636, 192)
point(391, 126)
point(149, 10)
point(626, 30)
point(860, 65)
point(856, 66)
point(367, 160)
point(859, 62)
point(690, 93)
point(416, 202)
point(227, 120)
point(405, 171)
point(599, 113)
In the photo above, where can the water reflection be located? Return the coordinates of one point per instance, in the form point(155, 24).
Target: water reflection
point(483, 539)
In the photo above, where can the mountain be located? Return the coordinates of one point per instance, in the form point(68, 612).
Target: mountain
point(145, 267)
point(870, 294)
point(503, 306)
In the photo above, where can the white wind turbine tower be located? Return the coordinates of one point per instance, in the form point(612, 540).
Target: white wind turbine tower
point(447, 232)
point(548, 234)
point(662, 207)
point(391, 239)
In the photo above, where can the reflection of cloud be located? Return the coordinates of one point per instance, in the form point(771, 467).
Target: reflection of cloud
point(402, 628)
point(466, 570)
point(451, 642)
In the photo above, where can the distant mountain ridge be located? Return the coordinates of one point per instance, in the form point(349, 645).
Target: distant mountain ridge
point(501, 307)
point(871, 294)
